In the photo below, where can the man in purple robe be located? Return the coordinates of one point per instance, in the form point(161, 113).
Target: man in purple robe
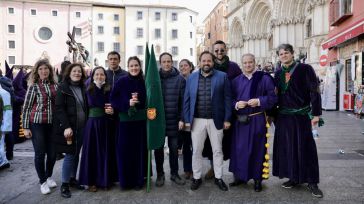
point(253, 93)
point(294, 150)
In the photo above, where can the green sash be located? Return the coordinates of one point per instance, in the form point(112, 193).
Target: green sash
point(300, 111)
point(293, 111)
point(96, 112)
point(7, 107)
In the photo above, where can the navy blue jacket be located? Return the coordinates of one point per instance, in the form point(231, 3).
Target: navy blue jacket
point(220, 98)
point(114, 76)
point(173, 87)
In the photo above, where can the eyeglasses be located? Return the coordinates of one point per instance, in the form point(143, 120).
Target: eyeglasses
point(221, 50)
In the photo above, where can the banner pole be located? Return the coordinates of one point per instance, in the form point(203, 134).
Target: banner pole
point(148, 173)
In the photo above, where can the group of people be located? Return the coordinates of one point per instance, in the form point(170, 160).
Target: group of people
point(12, 92)
point(218, 110)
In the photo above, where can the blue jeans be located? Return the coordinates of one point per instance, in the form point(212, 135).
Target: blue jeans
point(3, 159)
point(70, 161)
point(43, 145)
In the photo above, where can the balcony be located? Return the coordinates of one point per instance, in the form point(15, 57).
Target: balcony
point(340, 10)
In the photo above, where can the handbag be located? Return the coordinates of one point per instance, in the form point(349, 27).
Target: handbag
point(245, 119)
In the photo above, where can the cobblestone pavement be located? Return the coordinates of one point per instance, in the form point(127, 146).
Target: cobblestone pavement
point(342, 177)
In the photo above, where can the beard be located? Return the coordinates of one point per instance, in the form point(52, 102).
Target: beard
point(206, 69)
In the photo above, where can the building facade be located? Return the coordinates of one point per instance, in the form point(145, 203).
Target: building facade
point(169, 28)
point(345, 48)
point(259, 26)
point(216, 25)
point(108, 26)
point(200, 41)
point(36, 29)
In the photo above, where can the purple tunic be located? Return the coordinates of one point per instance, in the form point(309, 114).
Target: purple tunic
point(248, 141)
point(131, 137)
point(19, 96)
point(233, 70)
point(98, 153)
point(294, 150)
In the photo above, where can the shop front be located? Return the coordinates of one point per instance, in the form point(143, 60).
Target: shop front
point(346, 59)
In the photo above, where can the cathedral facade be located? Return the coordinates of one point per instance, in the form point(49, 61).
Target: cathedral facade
point(259, 26)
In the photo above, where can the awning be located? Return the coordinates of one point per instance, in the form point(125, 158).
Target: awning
point(353, 31)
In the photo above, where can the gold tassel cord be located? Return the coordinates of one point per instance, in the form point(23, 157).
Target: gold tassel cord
point(21, 130)
point(265, 174)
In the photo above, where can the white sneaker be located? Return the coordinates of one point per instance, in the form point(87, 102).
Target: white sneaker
point(44, 188)
point(51, 183)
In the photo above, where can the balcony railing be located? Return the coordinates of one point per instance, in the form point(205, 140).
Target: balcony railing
point(340, 10)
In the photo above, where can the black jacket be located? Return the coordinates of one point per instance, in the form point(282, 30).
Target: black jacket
point(114, 76)
point(173, 88)
point(66, 116)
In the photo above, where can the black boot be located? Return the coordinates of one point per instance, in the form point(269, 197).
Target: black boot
point(257, 186)
point(5, 166)
point(9, 155)
point(160, 180)
point(65, 190)
point(316, 192)
point(74, 184)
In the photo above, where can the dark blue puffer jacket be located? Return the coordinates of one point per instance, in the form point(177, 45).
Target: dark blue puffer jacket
point(173, 88)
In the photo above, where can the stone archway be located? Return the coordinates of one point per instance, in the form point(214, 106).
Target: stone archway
point(236, 40)
point(258, 29)
point(288, 24)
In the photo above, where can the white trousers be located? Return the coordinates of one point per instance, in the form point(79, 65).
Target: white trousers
point(3, 159)
point(198, 134)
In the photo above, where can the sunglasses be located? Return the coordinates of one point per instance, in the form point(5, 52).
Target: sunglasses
point(221, 50)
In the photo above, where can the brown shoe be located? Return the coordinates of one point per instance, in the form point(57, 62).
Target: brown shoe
point(92, 188)
point(210, 174)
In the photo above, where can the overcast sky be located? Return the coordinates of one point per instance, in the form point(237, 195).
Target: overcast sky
point(203, 7)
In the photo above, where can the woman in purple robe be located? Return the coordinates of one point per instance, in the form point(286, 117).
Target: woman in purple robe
point(253, 94)
point(294, 150)
point(96, 162)
point(128, 98)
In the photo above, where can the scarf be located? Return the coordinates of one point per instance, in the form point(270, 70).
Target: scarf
point(285, 77)
point(224, 65)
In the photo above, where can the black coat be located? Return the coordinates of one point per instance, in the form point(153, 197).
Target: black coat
point(65, 117)
point(173, 88)
point(114, 76)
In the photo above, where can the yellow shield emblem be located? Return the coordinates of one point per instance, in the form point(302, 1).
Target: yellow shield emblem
point(151, 113)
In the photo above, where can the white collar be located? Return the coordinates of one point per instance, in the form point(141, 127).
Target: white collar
point(249, 76)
